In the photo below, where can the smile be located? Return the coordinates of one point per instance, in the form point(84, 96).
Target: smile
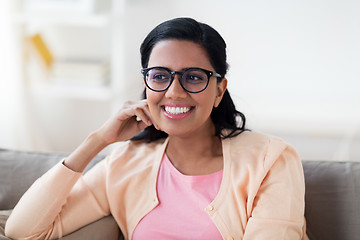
point(176, 110)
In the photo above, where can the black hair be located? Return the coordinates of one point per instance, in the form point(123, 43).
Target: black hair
point(225, 116)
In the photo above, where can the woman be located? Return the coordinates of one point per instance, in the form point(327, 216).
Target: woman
point(190, 170)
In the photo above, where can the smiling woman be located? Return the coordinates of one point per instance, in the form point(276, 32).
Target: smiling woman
point(190, 170)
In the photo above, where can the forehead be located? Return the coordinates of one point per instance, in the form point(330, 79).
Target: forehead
point(179, 54)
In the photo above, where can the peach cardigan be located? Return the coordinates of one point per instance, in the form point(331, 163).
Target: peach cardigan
point(261, 195)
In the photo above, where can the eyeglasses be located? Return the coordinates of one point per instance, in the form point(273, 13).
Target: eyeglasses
point(192, 80)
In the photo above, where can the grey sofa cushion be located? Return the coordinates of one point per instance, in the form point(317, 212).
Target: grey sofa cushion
point(332, 207)
point(3, 217)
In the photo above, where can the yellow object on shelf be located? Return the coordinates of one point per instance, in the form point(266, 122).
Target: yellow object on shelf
point(42, 49)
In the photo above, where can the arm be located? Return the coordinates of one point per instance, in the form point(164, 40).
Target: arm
point(278, 207)
point(62, 201)
point(56, 204)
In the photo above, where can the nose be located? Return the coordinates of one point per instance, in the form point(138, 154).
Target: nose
point(175, 90)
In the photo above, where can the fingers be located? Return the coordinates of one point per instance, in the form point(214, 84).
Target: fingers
point(140, 110)
point(143, 114)
point(141, 125)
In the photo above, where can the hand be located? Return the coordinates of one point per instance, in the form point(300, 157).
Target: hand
point(132, 118)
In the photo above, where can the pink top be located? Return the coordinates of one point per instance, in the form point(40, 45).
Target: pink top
point(181, 209)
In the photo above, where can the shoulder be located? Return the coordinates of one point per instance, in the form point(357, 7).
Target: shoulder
point(137, 148)
point(256, 141)
point(132, 154)
point(258, 149)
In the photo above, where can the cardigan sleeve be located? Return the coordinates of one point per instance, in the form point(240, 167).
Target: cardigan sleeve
point(58, 203)
point(278, 208)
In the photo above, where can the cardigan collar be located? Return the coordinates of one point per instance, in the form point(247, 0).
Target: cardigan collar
point(226, 169)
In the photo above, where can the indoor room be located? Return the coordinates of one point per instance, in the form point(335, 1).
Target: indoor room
point(67, 66)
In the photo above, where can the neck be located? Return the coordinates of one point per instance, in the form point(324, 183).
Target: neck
point(190, 153)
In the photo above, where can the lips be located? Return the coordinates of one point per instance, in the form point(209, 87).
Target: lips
point(176, 112)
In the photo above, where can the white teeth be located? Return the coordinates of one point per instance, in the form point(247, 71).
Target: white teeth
point(177, 110)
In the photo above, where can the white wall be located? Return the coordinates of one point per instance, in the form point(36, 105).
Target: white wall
point(10, 110)
point(294, 66)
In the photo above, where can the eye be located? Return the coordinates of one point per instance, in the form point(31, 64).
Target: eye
point(158, 76)
point(195, 77)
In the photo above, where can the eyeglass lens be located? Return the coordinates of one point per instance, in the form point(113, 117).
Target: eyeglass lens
point(192, 80)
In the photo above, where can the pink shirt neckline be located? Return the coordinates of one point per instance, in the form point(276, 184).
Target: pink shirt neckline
point(189, 178)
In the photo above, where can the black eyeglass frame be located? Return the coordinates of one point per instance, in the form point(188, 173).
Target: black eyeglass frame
point(208, 73)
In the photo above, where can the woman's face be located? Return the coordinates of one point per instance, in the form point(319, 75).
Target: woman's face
point(177, 112)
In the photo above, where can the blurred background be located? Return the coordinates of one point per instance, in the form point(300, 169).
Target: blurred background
point(68, 65)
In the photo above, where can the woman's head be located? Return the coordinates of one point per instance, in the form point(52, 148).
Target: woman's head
point(190, 30)
point(224, 114)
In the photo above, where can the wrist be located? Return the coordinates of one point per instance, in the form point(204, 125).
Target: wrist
point(95, 139)
point(83, 154)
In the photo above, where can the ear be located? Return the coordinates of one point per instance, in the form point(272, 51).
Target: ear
point(221, 87)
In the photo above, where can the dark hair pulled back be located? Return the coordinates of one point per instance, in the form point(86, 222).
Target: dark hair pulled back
point(225, 116)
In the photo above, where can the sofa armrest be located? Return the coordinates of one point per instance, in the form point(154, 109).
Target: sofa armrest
point(104, 228)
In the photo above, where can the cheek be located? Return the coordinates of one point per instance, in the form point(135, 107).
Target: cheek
point(207, 104)
point(208, 97)
point(204, 106)
point(153, 99)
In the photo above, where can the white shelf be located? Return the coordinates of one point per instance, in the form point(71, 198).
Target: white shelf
point(71, 19)
point(98, 93)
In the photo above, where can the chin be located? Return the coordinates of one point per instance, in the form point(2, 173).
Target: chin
point(176, 132)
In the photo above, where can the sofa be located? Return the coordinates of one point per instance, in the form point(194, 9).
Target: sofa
point(332, 195)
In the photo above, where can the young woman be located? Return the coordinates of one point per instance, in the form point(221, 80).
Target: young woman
point(190, 169)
